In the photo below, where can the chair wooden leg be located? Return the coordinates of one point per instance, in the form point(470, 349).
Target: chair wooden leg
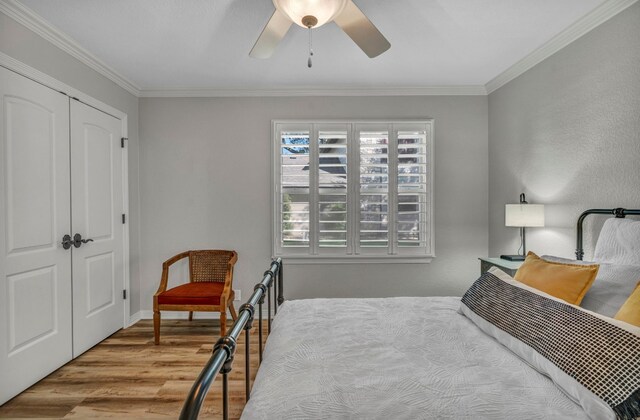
point(190, 315)
point(234, 315)
point(223, 323)
point(156, 327)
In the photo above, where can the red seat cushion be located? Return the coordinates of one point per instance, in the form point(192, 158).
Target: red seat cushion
point(199, 293)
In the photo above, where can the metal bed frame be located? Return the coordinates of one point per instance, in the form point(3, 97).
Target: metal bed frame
point(224, 349)
point(618, 212)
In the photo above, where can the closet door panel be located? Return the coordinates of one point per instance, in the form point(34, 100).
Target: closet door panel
point(35, 270)
point(97, 206)
point(30, 182)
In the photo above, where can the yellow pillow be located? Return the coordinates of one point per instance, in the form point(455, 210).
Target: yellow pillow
point(568, 282)
point(630, 311)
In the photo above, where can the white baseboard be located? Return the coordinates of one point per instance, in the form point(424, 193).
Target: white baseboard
point(134, 318)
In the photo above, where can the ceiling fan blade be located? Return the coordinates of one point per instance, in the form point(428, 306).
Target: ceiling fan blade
point(360, 29)
point(271, 35)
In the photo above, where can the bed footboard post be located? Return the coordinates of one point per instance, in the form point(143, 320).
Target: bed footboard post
point(260, 303)
point(225, 396)
point(247, 327)
point(247, 373)
point(230, 344)
point(269, 306)
point(280, 284)
point(275, 295)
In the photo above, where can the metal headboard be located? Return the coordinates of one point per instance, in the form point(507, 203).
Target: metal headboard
point(619, 213)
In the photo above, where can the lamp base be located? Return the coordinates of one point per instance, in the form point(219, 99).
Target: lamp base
point(512, 257)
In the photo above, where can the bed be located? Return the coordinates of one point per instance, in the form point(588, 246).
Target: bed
point(505, 350)
point(424, 360)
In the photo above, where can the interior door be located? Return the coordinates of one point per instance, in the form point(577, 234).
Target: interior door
point(35, 269)
point(96, 212)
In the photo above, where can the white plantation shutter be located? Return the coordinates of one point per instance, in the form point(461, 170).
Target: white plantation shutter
point(373, 187)
point(413, 179)
point(353, 190)
point(294, 181)
point(332, 188)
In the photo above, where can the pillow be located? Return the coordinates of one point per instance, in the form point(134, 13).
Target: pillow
point(613, 285)
point(630, 311)
point(619, 242)
point(569, 282)
point(591, 358)
point(562, 260)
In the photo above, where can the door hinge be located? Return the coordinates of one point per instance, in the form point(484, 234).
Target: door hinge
point(124, 218)
point(122, 139)
point(124, 294)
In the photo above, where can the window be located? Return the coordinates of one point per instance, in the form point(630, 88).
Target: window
point(350, 191)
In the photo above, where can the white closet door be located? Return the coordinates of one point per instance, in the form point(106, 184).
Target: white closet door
point(35, 270)
point(96, 214)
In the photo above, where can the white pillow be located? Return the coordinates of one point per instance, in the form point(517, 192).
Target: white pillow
point(613, 285)
point(619, 242)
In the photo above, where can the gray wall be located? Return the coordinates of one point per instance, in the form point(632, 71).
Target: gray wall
point(29, 48)
point(567, 133)
point(204, 182)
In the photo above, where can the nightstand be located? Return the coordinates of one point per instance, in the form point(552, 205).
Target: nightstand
point(509, 267)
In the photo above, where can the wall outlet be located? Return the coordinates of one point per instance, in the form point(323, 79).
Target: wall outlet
point(238, 294)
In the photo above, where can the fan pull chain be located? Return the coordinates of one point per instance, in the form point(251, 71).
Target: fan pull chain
point(309, 62)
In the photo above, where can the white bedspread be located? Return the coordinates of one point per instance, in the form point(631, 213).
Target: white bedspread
point(394, 358)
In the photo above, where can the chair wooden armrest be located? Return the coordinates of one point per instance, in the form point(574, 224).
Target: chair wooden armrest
point(164, 279)
point(228, 279)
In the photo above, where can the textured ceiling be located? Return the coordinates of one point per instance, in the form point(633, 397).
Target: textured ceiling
point(171, 44)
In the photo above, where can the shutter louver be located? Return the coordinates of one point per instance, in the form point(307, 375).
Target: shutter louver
point(294, 161)
point(374, 188)
point(412, 188)
point(332, 189)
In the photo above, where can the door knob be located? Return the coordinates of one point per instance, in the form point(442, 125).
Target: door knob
point(78, 241)
point(66, 241)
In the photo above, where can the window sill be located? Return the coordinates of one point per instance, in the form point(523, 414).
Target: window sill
point(350, 259)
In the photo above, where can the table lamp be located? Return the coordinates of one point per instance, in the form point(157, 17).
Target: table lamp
point(522, 215)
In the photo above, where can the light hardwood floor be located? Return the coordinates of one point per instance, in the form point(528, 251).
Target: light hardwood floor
point(127, 376)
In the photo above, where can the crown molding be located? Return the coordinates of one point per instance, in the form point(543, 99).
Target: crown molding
point(591, 20)
point(37, 24)
point(478, 90)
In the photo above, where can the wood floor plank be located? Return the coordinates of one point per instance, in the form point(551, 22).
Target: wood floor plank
point(127, 376)
point(28, 405)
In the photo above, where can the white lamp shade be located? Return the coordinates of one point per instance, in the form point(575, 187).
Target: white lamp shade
point(323, 10)
point(524, 215)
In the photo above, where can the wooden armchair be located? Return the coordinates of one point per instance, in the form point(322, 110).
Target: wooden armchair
point(210, 287)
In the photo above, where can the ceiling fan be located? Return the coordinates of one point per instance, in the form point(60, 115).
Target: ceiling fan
point(313, 14)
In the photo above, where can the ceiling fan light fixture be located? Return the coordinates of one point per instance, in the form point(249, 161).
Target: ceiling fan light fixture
point(310, 14)
point(299, 11)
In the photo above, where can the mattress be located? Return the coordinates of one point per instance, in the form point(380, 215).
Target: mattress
point(394, 358)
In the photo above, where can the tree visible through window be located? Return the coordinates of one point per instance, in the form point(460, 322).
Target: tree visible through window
point(353, 189)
